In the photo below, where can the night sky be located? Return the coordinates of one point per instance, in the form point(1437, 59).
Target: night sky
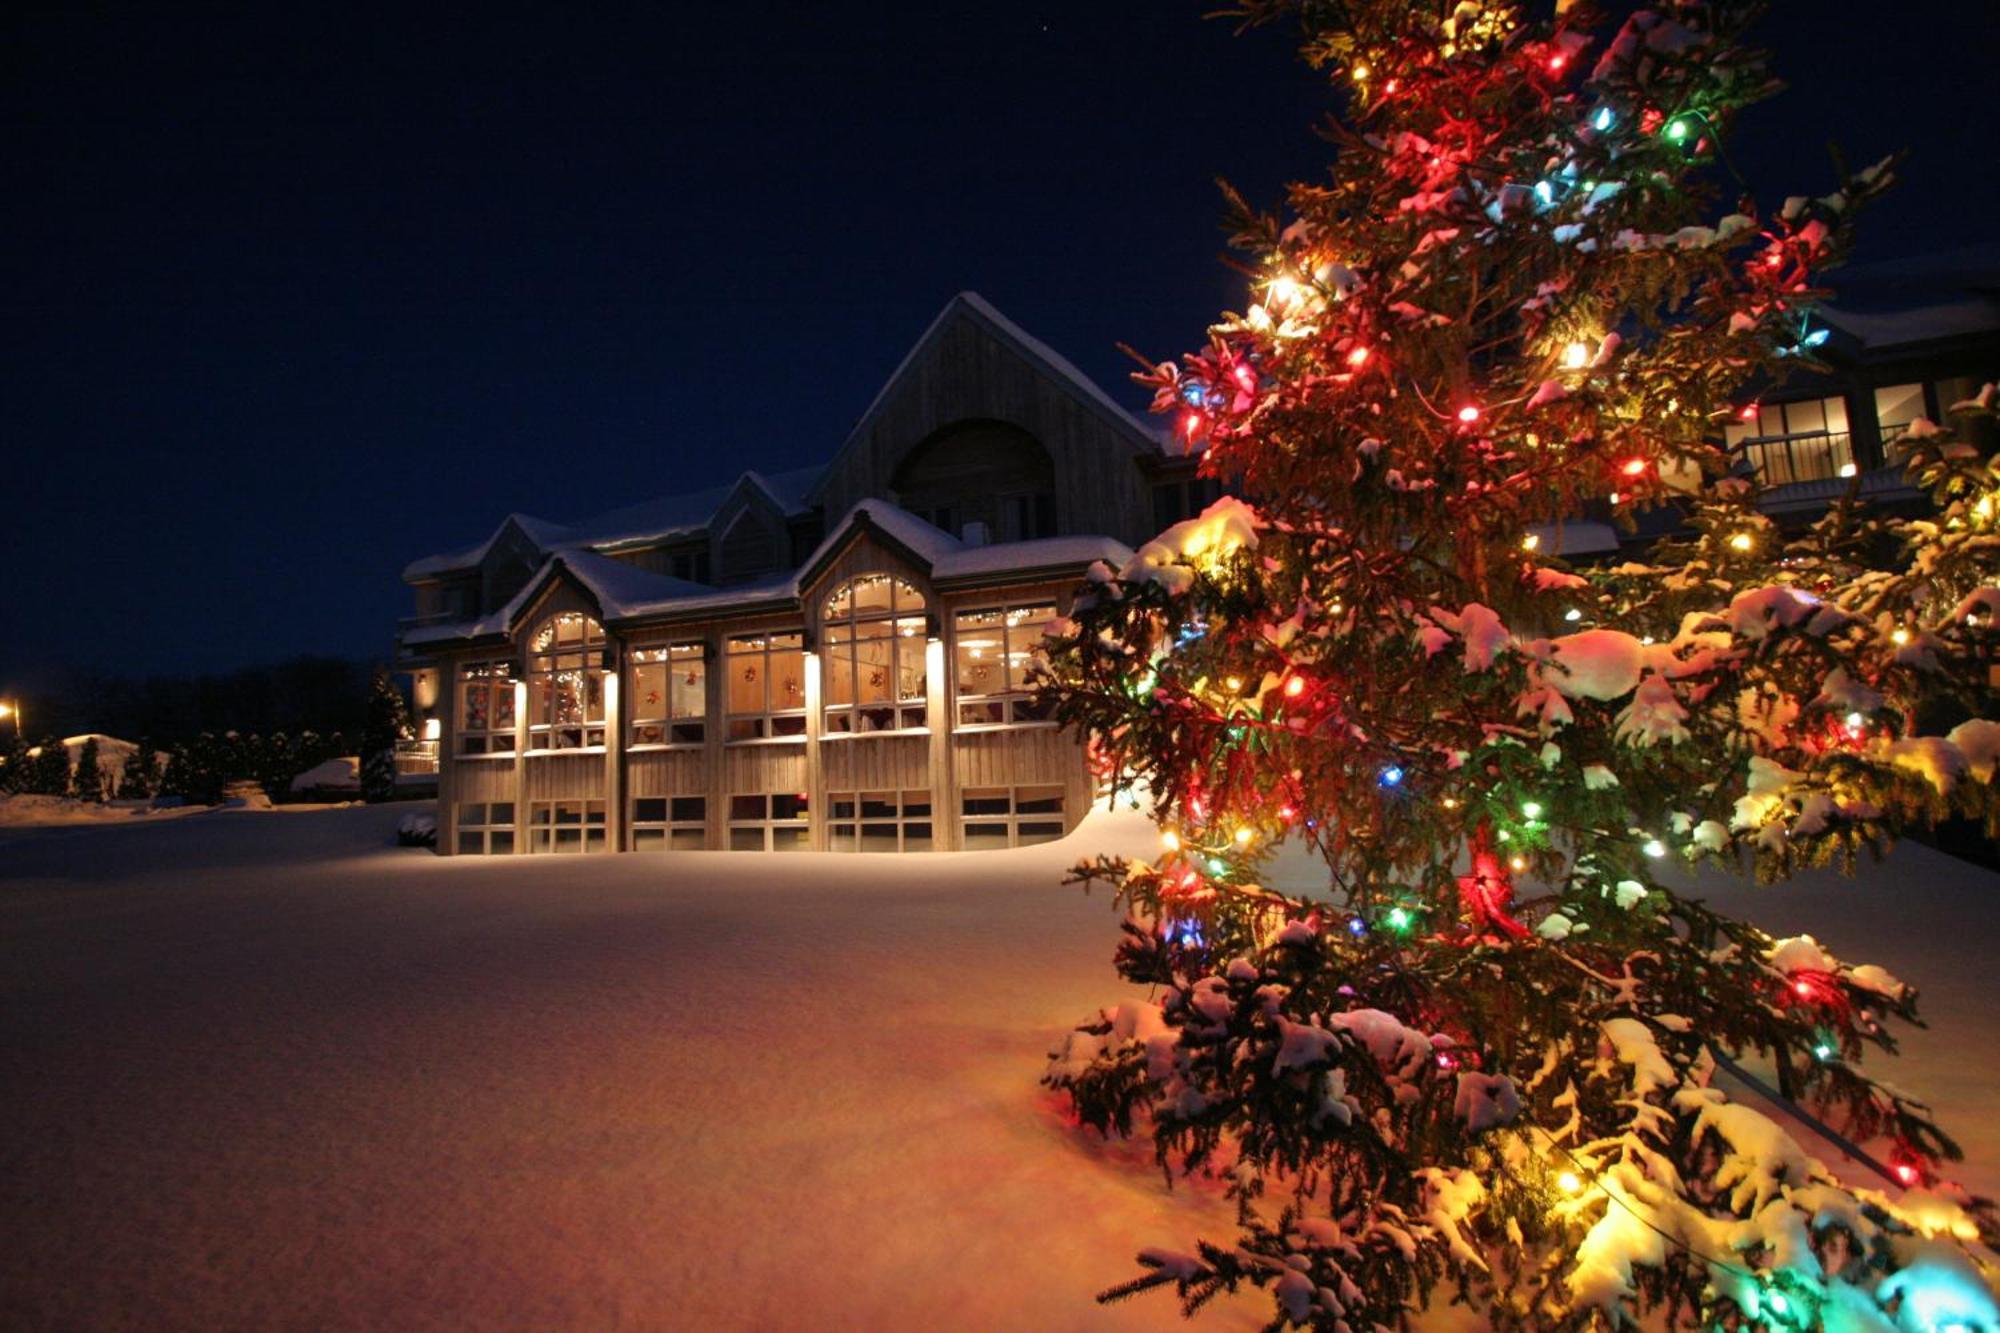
point(298, 294)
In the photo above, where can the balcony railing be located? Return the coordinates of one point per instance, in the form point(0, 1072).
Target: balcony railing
point(1782, 459)
point(416, 759)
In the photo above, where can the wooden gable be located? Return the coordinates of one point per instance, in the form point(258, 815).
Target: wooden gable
point(973, 368)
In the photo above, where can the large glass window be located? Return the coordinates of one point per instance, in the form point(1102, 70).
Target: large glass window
point(767, 685)
point(769, 822)
point(1896, 406)
point(1010, 816)
point(873, 657)
point(486, 829)
point(669, 823)
point(669, 698)
point(996, 650)
point(879, 821)
point(566, 826)
point(566, 684)
point(486, 708)
point(1802, 441)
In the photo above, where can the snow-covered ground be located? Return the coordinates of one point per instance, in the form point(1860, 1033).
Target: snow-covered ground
point(277, 1073)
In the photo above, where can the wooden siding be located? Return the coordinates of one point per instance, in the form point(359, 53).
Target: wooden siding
point(480, 781)
point(552, 777)
point(875, 763)
point(667, 773)
point(969, 373)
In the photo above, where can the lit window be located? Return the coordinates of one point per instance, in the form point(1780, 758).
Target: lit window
point(1896, 406)
point(486, 708)
point(995, 652)
point(769, 822)
point(1801, 441)
point(767, 686)
point(1010, 816)
point(879, 821)
point(566, 684)
point(486, 829)
point(669, 699)
point(566, 826)
point(669, 823)
point(873, 657)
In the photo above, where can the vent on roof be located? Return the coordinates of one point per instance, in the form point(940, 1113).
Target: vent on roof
point(975, 533)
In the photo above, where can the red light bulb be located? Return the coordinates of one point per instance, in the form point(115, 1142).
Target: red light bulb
point(1358, 357)
point(1468, 414)
point(1633, 467)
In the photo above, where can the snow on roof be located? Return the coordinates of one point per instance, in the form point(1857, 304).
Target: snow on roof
point(1039, 553)
point(537, 530)
point(1576, 537)
point(1897, 328)
point(648, 520)
point(624, 592)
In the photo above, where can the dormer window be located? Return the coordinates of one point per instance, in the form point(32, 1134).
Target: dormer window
point(566, 684)
point(873, 636)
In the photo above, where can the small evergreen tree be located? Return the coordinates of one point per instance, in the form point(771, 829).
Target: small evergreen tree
point(87, 783)
point(388, 723)
point(48, 772)
point(15, 765)
point(141, 775)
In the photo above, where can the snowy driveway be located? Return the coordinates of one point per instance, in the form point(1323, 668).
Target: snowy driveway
point(265, 1071)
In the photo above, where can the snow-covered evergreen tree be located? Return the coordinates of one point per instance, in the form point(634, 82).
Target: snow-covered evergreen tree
point(388, 722)
point(1483, 1066)
point(140, 778)
point(48, 769)
point(87, 782)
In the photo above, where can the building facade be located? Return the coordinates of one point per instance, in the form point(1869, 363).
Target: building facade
point(834, 659)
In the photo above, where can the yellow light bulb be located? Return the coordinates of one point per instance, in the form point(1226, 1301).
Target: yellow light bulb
point(1360, 73)
point(1285, 290)
point(1576, 356)
point(1899, 636)
point(1569, 1182)
point(1235, 684)
point(1740, 542)
point(1245, 836)
point(1170, 840)
point(1531, 541)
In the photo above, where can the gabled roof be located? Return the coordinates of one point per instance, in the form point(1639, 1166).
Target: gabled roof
point(626, 593)
point(632, 525)
point(973, 307)
point(539, 532)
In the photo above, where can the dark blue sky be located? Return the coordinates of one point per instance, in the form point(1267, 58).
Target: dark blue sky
point(296, 294)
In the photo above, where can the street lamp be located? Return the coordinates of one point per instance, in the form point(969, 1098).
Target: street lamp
point(12, 708)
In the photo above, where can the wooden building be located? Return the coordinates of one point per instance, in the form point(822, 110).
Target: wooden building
point(833, 658)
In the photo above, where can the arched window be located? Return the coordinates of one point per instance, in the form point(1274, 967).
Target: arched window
point(873, 644)
point(566, 683)
point(987, 473)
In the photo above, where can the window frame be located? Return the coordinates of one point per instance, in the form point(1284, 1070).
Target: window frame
point(494, 678)
point(764, 723)
point(1758, 447)
point(1014, 702)
point(903, 627)
point(674, 730)
point(542, 835)
point(767, 825)
point(910, 809)
point(474, 822)
point(672, 826)
point(550, 656)
point(1012, 819)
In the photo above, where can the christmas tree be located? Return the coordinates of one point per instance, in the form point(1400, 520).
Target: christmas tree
point(388, 722)
point(87, 782)
point(1483, 1067)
